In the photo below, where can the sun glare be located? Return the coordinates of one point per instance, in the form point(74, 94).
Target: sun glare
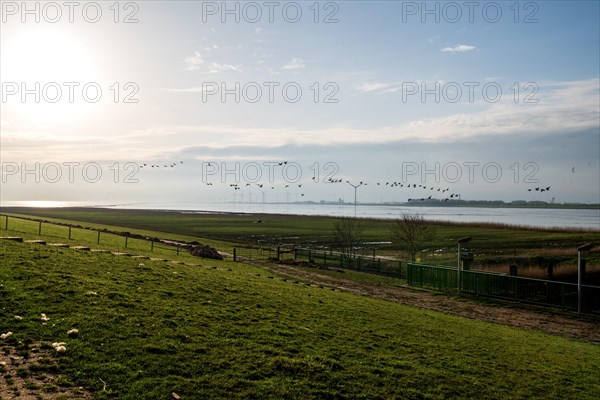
point(43, 204)
point(36, 64)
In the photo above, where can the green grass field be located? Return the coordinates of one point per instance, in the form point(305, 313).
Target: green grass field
point(231, 330)
point(242, 228)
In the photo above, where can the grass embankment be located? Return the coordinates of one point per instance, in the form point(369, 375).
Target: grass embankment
point(494, 246)
point(488, 238)
point(230, 330)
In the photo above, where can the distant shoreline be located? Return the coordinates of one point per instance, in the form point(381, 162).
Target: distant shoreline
point(261, 214)
point(416, 203)
point(455, 203)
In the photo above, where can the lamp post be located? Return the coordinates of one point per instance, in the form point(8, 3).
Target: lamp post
point(355, 189)
point(460, 241)
point(580, 267)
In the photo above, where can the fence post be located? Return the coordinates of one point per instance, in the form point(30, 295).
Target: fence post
point(40, 228)
point(234, 254)
point(309, 256)
point(98, 241)
point(6, 223)
point(69, 232)
point(177, 250)
point(152, 245)
point(126, 237)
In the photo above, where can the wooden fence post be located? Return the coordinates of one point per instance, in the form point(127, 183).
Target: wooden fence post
point(234, 254)
point(177, 250)
point(152, 245)
point(40, 228)
point(69, 232)
point(126, 237)
point(98, 241)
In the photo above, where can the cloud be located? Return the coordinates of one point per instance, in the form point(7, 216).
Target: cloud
point(216, 68)
point(564, 107)
point(295, 63)
point(195, 89)
point(370, 87)
point(194, 62)
point(460, 48)
point(433, 39)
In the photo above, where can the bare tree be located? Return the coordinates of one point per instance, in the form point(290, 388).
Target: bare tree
point(411, 233)
point(348, 234)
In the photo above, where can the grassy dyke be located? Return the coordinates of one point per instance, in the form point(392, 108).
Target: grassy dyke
point(230, 330)
point(488, 238)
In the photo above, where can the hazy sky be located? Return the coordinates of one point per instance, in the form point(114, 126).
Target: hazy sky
point(487, 99)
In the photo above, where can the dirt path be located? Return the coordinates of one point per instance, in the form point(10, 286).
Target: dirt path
point(34, 377)
point(522, 316)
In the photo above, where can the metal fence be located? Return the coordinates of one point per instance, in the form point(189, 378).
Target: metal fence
point(373, 265)
point(527, 290)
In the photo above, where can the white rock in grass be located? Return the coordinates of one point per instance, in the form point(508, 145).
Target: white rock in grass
point(44, 318)
point(18, 317)
point(5, 335)
point(73, 332)
point(60, 349)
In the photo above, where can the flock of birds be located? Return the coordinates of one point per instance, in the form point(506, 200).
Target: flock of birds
point(171, 164)
point(445, 192)
point(540, 189)
point(329, 180)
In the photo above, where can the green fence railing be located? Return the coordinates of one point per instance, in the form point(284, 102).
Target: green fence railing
point(527, 290)
point(374, 265)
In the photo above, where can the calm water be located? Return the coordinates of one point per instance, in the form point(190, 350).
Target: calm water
point(514, 216)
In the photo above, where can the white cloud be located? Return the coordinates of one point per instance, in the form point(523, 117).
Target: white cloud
point(564, 107)
point(295, 63)
point(460, 48)
point(197, 89)
point(216, 68)
point(370, 87)
point(194, 62)
point(433, 39)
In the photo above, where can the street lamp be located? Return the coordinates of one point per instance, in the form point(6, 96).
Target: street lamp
point(355, 189)
point(580, 270)
point(460, 241)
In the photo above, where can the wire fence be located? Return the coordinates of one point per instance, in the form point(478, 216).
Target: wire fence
point(85, 234)
point(370, 264)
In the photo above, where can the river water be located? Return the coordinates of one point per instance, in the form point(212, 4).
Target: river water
point(540, 217)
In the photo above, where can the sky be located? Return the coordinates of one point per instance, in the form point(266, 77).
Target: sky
point(190, 101)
